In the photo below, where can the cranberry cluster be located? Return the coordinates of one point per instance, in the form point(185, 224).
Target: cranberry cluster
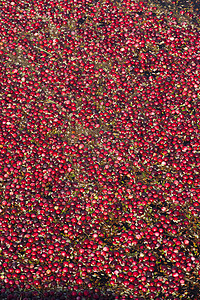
point(99, 150)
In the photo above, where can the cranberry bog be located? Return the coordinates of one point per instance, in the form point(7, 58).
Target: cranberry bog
point(99, 150)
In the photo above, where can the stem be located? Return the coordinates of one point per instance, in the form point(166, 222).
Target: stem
point(43, 50)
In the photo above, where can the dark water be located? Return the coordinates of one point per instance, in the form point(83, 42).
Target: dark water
point(192, 4)
point(190, 7)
